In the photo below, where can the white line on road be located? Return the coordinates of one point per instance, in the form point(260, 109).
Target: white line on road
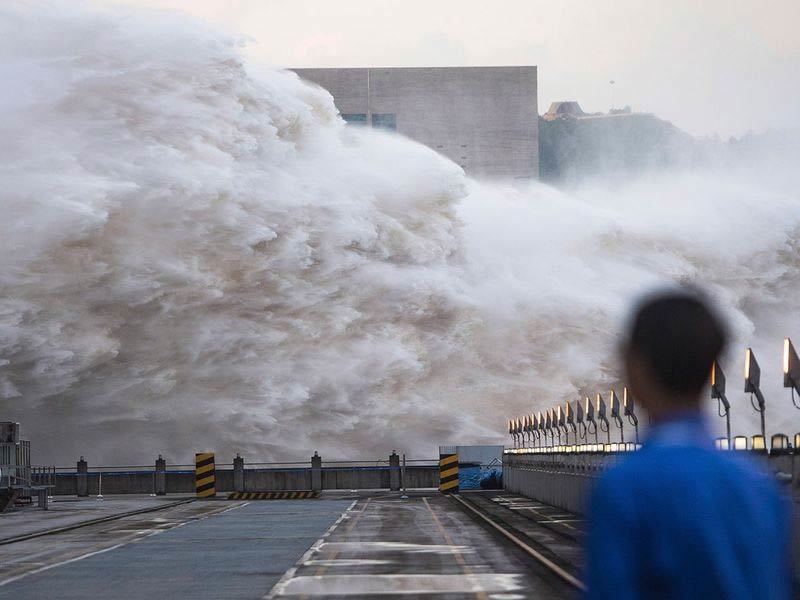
point(156, 531)
point(278, 588)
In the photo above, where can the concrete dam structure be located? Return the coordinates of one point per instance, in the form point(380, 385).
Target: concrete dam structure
point(483, 118)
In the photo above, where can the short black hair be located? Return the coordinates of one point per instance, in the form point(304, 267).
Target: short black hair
point(680, 337)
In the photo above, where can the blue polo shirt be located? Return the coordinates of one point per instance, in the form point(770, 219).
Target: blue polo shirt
point(679, 519)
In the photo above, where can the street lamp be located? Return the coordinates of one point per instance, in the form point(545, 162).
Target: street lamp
point(540, 427)
point(740, 442)
point(591, 426)
point(559, 422)
point(569, 417)
point(579, 419)
point(627, 403)
point(548, 424)
point(718, 392)
point(600, 411)
point(752, 379)
point(526, 423)
point(616, 415)
point(791, 369)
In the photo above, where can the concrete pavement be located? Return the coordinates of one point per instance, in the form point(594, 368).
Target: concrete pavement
point(203, 549)
point(364, 545)
point(416, 547)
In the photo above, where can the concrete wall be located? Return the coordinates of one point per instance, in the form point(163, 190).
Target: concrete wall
point(183, 482)
point(565, 480)
point(483, 118)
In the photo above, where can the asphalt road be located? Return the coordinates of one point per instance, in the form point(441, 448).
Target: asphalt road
point(366, 545)
point(415, 547)
point(204, 549)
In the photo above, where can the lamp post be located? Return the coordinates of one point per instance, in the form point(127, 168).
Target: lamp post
point(579, 420)
point(791, 369)
point(591, 426)
point(540, 429)
point(752, 381)
point(569, 417)
point(628, 406)
point(600, 412)
point(616, 414)
point(558, 421)
point(548, 424)
point(718, 392)
point(528, 429)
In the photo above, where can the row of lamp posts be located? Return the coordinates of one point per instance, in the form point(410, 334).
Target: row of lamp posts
point(587, 417)
point(581, 418)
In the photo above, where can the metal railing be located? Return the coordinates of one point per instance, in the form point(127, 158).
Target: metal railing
point(43, 476)
point(15, 464)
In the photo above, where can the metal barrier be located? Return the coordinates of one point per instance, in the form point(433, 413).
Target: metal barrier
point(43, 476)
point(15, 464)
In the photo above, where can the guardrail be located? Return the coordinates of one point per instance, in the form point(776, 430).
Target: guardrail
point(393, 472)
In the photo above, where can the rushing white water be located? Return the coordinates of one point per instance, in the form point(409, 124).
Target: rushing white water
point(195, 254)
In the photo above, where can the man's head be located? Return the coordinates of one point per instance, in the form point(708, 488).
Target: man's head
point(674, 339)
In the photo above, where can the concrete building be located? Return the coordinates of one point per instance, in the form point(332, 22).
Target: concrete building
point(483, 118)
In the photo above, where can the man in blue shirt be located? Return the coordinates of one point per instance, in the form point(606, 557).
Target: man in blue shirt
point(679, 519)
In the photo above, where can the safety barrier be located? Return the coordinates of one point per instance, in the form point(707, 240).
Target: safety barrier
point(448, 473)
point(205, 475)
point(296, 495)
point(563, 475)
point(162, 478)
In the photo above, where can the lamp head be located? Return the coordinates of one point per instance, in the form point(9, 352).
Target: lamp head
point(589, 410)
point(627, 402)
point(791, 366)
point(600, 407)
point(568, 416)
point(752, 372)
point(578, 411)
point(717, 381)
point(614, 402)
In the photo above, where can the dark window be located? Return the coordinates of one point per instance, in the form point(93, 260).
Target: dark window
point(385, 121)
point(355, 118)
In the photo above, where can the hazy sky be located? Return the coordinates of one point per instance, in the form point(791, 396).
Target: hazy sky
point(724, 66)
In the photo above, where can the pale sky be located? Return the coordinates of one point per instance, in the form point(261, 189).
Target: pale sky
point(713, 66)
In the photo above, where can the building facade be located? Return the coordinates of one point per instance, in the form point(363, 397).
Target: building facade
point(483, 118)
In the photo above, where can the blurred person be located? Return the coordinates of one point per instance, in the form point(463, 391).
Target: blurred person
point(680, 519)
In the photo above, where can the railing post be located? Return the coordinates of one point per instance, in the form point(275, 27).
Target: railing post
point(316, 472)
point(83, 478)
point(238, 473)
point(394, 471)
point(160, 477)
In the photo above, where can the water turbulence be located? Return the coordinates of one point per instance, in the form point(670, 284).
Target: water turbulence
point(197, 254)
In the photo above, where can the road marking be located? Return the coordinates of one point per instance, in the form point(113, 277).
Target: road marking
point(155, 531)
point(458, 556)
point(277, 589)
point(419, 584)
point(574, 581)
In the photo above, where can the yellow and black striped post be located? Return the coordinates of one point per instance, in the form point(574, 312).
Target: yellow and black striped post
point(205, 475)
point(448, 473)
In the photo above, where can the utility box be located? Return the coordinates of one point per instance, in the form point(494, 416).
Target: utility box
point(9, 432)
